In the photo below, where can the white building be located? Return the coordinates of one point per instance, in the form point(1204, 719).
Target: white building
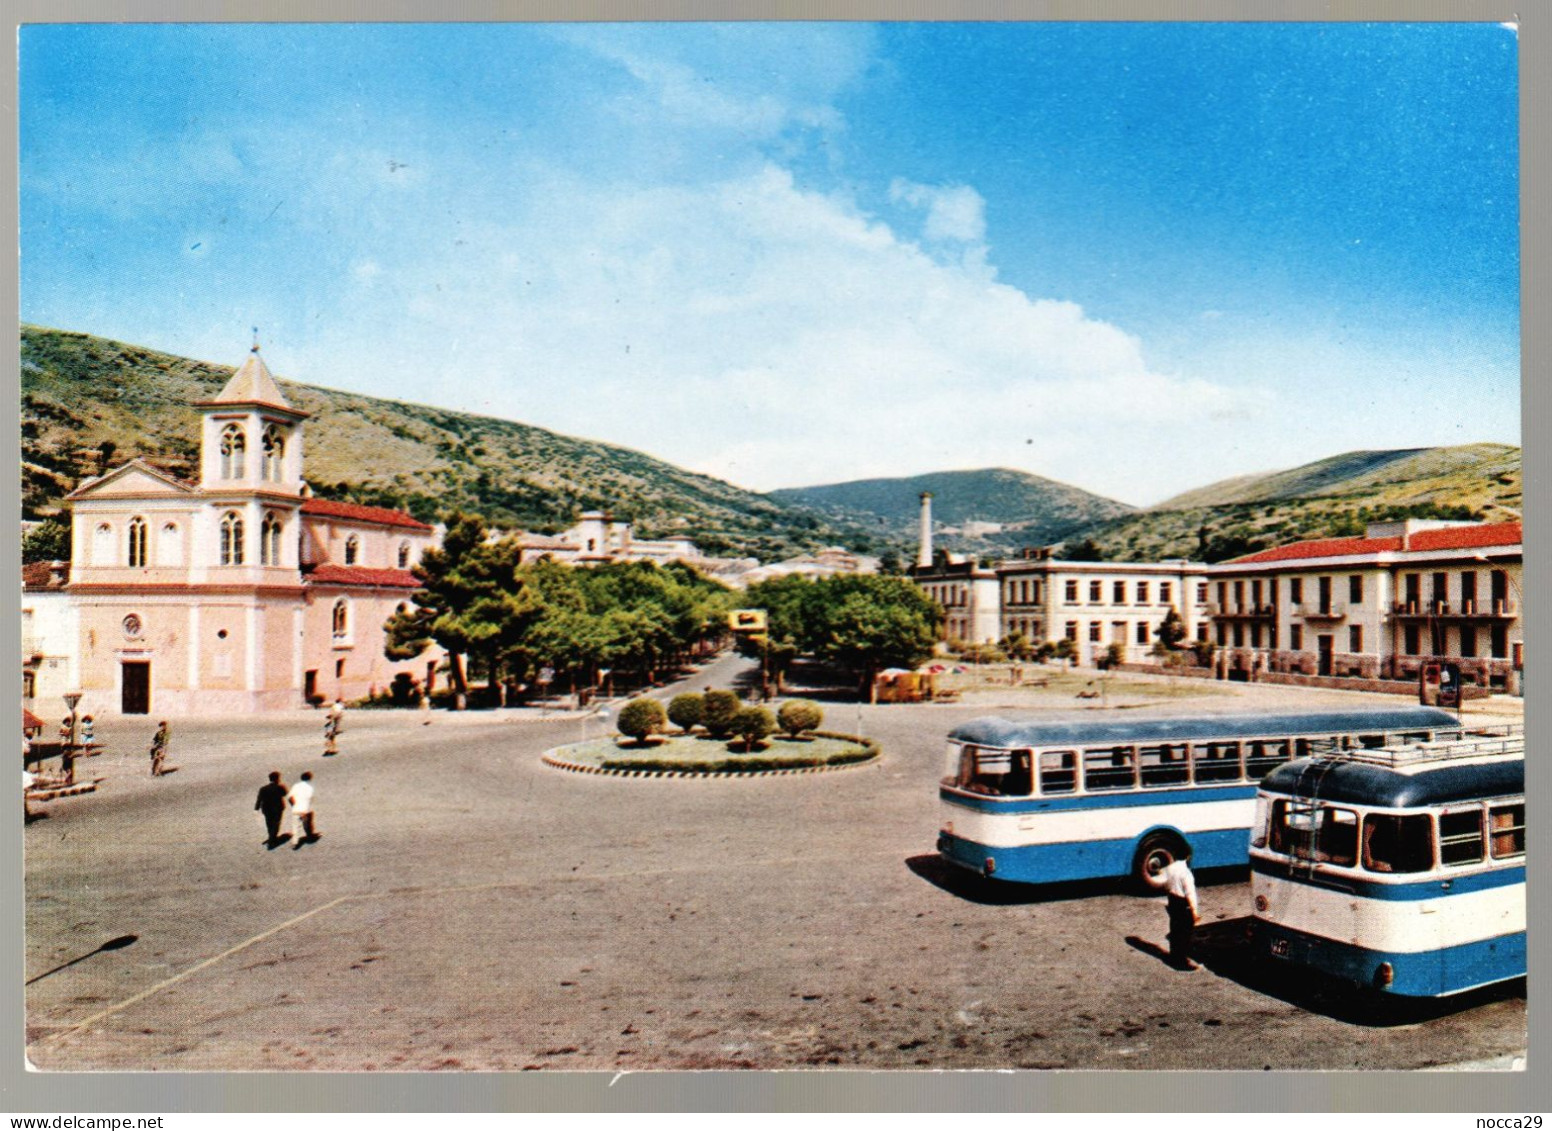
point(1379, 606)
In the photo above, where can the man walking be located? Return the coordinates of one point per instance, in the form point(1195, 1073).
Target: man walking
point(272, 803)
point(159, 749)
point(303, 828)
point(1180, 891)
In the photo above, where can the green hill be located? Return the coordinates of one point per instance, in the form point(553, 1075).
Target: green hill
point(1031, 511)
point(1333, 497)
point(87, 402)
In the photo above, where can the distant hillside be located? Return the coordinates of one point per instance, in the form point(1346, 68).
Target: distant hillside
point(1333, 497)
point(1032, 511)
point(87, 402)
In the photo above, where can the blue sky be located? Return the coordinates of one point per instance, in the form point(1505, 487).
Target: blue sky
point(1132, 257)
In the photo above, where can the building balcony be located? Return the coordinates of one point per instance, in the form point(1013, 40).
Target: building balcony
point(1330, 612)
point(1500, 609)
point(1242, 612)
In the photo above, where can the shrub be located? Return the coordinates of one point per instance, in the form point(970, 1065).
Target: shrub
point(798, 715)
point(752, 724)
point(717, 711)
point(640, 718)
point(686, 710)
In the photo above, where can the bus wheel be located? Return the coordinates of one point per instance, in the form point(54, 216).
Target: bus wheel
point(1157, 852)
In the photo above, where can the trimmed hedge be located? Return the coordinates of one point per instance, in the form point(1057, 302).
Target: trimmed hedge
point(743, 763)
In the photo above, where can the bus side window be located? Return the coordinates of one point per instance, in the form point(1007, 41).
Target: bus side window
point(1460, 836)
point(1371, 741)
point(1109, 767)
point(1216, 761)
point(1265, 755)
point(1164, 764)
point(1337, 841)
point(1057, 772)
point(1397, 844)
point(1019, 781)
point(1508, 827)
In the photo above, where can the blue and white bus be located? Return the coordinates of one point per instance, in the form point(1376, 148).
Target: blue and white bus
point(1402, 869)
point(1040, 802)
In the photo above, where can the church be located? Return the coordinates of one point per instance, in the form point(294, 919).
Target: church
point(240, 592)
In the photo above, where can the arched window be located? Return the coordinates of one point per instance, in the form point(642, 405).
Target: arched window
point(341, 619)
point(404, 555)
point(137, 541)
point(231, 539)
point(274, 454)
point(169, 548)
point(233, 444)
point(352, 549)
point(269, 540)
point(103, 552)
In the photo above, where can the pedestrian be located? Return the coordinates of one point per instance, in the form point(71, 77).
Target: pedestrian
point(1180, 893)
point(337, 714)
point(330, 735)
point(159, 742)
point(304, 827)
point(272, 803)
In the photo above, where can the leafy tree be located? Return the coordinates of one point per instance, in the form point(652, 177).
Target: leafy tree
point(752, 724)
point(1114, 657)
point(1171, 630)
point(718, 709)
point(1087, 550)
point(1016, 646)
point(1065, 649)
point(1204, 650)
point(868, 623)
point(471, 600)
point(48, 541)
point(641, 718)
point(685, 711)
point(798, 715)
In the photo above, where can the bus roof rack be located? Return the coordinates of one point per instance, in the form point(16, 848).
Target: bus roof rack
point(1476, 742)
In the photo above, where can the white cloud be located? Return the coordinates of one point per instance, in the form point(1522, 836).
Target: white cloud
point(954, 212)
point(767, 335)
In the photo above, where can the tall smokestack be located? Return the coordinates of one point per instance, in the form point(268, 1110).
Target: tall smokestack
point(924, 553)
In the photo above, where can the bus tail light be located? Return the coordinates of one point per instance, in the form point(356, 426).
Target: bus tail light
point(1384, 975)
point(991, 865)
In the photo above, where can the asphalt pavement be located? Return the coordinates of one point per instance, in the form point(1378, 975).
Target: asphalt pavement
point(470, 908)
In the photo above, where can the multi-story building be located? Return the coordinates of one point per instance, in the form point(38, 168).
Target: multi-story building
point(1045, 600)
point(1097, 604)
point(1376, 607)
point(239, 592)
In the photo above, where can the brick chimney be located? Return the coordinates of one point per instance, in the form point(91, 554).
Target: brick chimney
point(924, 551)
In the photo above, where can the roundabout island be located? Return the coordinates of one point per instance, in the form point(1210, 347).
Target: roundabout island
point(699, 755)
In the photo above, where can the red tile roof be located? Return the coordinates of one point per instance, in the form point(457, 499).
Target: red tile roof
point(380, 515)
point(41, 575)
point(1447, 538)
point(330, 574)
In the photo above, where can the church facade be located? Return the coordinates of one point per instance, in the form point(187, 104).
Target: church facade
point(239, 592)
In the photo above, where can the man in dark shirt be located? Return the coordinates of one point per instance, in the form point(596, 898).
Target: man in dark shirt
point(272, 803)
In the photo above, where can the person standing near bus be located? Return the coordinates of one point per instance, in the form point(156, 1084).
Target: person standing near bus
point(1180, 894)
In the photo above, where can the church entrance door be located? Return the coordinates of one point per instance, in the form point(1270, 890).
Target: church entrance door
point(136, 698)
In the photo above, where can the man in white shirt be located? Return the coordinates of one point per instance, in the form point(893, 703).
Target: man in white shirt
point(1180, 891)
point(301, 801)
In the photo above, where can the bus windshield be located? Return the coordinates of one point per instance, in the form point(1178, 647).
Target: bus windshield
point(998, 773)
